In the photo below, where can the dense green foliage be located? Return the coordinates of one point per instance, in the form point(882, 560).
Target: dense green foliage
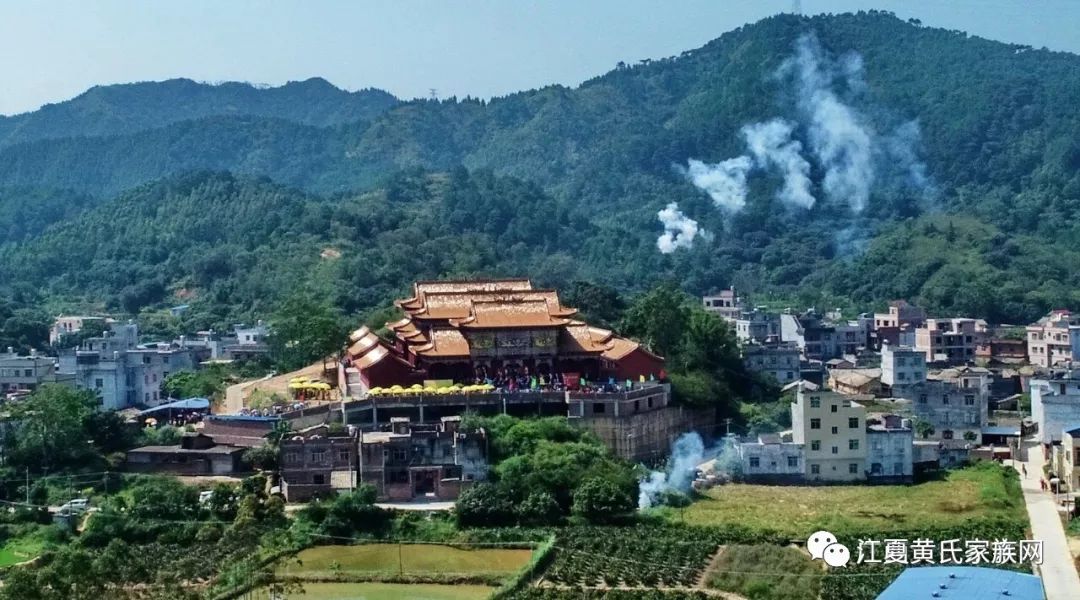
point(587, 170)
point(544, 470)
point(111, 110)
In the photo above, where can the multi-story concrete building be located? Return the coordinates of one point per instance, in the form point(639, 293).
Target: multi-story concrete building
point(68, 325)
point(1055, 403)
point(952, 341)
point(778, 360)
point(727, 304)
point(757, 325)
point(894, 326)
point(902, 366)
point(822, 338)
point(1054, 340)
point(890, 453)
point(317, 463)
point(954, 411)
point(433, 461)
point(832, 429)
point(26, 373)
point(122, 372)
point(1065, 460)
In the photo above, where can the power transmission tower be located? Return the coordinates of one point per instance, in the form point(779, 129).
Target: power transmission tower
point(434, 93)
point(796, 7)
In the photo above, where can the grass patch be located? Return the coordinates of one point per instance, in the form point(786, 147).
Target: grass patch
point(19, 550)
point(767, 573)
point(407, 559)
point(386, 591)
point(983, 490)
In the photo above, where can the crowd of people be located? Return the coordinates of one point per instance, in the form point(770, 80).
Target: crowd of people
point(520, 379)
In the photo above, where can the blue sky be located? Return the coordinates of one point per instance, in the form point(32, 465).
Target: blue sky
point(51, 51)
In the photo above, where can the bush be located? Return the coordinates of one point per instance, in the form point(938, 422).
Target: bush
point(484, 505)
point(599, 500)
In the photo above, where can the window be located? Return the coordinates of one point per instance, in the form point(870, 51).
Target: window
point(853, 445)
point(815, 444)
point(28, 373)
point(901, 375)
point(853, 468)
point(947, 434)
point(815, 423)
point(318, 479)
point(98, 383)
point(146, 397)
point(755, 462)
point(146, 378)
point(832, 408)
point(836, 450)
point(835, 430)
point(815, 402)
point(318, 456)
point(898, 468)
point(793, 461)
point(292, 457)
point(969, 400)
point(343, 455)
point(145, 360)
point(598, 408)
point(875, 469)
point(945, 399)
point(853, 422)
point(815, 469)
point(922, 398)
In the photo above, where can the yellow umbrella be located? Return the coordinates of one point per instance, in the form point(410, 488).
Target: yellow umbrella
point(431, 389)
point(487, 387)
point(455, 388)
point(375, 391)
point(299, 379)
point(396, 388)
point(297, 385)
point(416, 386)
point(321, 385)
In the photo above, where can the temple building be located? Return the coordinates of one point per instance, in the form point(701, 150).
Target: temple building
point(500, 331)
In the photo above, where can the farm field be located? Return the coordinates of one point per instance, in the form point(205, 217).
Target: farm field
point(983, 490)
point(415, 559)
point(384, 591)
point(775, 573)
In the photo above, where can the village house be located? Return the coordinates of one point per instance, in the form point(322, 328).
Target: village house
point(832, 428)
point(23, 374)
point(196, 454)
point(777, 360)
point(122, 372)
point(1054, 340)
point(758, 326)
point(422, 461)
point(897, 327)
point(1065, 462)
point(1055, 403)
point(316, 462)
point(890, 449)
point(68, 325)
point(950, 341)
point(855, 382)
point(769, 459)
point(901, 366)
point(727, 304)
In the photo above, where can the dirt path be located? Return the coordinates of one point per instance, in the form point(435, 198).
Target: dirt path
point(703, 581)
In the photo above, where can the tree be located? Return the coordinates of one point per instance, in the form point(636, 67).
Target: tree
point(305, 331)
point(970, 436)
point(923, 428)
point(600, 500)
point(483, 504)
point(598, 304)
point(658, 318)
point(52, 432)
point(264, 457)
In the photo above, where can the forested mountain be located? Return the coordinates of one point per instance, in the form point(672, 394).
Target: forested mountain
point(128, 108)
point(970, 201)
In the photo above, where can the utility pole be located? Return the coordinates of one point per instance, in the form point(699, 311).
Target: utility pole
point(28, 485)
point(727, 427)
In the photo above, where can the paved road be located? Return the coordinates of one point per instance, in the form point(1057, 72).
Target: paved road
point(1059, 577)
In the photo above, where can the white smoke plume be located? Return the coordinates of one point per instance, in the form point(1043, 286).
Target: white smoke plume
point(842, 143)
point(772, 145)
point(686, 454)
point(725, 182)
point(679, 229)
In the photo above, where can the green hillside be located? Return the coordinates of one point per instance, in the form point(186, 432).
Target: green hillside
point(566, 184)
